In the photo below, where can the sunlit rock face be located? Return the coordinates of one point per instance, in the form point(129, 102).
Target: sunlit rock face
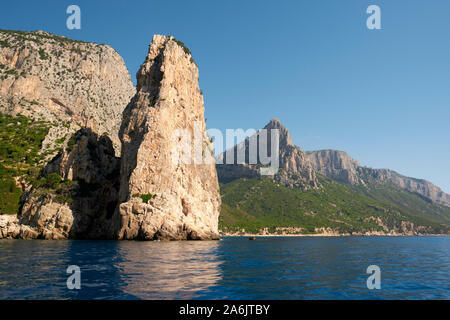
point(294, 169)
point(185, 200)
point(338, 165)
point(72, 84)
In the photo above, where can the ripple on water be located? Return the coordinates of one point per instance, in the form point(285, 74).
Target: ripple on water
point(234, 268)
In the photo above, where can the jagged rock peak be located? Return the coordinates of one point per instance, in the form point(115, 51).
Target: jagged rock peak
point(285, 136)
point(294, 170)
point(161, 198)
point(150, 73)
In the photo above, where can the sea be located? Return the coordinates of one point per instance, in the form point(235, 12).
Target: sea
point(232, 268)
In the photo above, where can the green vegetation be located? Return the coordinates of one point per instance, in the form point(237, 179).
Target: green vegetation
point(182, 45)
point(21, 140)
point(43, 55)
point(9, 192)
point(4, 44)
point(253, 204)
point(62, 190)
point(20, 143)
point(5, 72)
point(145, 197)
point(411, 204)
point(36, 37)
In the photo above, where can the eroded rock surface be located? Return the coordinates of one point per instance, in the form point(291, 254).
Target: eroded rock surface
point(79, 207)
point(185, 200)
point(294, 168)
point(71, 84)
point(339, 166)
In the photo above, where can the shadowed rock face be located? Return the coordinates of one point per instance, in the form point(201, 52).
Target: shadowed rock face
point(185, 197)
point(294, 168)
point(79, 209)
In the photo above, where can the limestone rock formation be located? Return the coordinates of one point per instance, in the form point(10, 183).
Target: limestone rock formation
point(162, 198)
point(335, 164)
point(81, 206)
point(294, 168)
point(339, 166)
point(71, 84)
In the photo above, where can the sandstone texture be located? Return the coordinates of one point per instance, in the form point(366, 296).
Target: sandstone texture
point(185, 200)
point(71, 84)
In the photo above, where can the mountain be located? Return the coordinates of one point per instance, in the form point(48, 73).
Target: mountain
point(346, 198)
point(294, 168)
point(86, 191)
point(338, 165)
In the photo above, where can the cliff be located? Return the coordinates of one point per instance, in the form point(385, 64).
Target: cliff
point(339, 166)
point(71, 84)
point(162, 197)
point(325, 192)
point(75, 195)
point(86, 191)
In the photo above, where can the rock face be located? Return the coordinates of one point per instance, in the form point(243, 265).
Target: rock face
point(335, 164)
point(81, 207)
point(71, 84)
point(294, 168)
point(339, 166)
point(86, 192)
point(185, 200)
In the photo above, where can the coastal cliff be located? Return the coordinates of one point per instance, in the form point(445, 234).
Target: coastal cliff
point(86, 191)
point(161, 197)
point(71, 84)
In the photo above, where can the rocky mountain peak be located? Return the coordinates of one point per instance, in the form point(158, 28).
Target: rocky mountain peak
point(285, 136)
point(294, 170)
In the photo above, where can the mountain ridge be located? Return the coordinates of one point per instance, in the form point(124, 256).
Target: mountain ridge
point(334, 164)
point(348, 199)
point(340, 166)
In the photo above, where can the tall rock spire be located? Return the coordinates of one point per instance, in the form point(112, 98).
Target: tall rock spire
point(160, 197)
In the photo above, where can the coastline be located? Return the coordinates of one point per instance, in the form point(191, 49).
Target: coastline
point(330, 235)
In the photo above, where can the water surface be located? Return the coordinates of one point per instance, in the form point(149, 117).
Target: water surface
point(233, 268)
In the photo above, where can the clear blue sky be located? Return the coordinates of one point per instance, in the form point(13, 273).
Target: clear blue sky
point(383, 96)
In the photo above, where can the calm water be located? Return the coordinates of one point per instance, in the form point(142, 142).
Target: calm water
point(234, 268)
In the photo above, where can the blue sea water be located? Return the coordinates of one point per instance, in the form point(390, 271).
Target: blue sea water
point(233, 268)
